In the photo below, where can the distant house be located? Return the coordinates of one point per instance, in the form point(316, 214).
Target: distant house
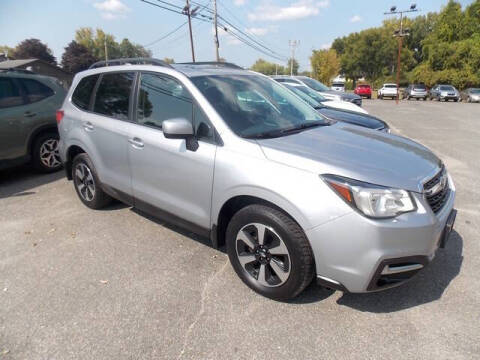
point(39, 67)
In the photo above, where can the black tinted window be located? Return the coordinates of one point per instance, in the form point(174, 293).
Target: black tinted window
point(113, 95)
point(161, 98)
point(83, 91)
point(9, 94)
point(35, 90)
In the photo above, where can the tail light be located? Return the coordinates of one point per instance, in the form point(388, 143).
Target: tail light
point(59, 116)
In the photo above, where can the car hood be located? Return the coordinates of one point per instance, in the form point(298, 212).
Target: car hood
point(354, 118)
point(355, 152)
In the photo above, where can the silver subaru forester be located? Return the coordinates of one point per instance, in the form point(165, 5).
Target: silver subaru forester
point(232, 155)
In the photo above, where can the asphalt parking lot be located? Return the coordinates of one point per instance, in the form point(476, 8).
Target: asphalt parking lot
point(116, 284)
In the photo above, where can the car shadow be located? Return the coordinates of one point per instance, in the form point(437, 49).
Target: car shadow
point(427, 286)
point(20, 181)
point(182, 231)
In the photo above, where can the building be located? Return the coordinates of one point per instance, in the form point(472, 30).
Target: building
point(39, 67)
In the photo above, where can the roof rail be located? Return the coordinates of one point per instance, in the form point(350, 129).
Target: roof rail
point(215, 63)
point(129, 61)
point(22, 71)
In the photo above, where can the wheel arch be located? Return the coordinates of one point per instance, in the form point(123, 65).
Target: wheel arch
point(44, 129)
point(72, 151)
point(237, 202)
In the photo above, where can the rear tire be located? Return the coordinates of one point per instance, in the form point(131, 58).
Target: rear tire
point(45, 155)
point(87, 185)
point(283, 252)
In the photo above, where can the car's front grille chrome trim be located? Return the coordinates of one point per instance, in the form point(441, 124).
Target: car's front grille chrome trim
point(436, 190)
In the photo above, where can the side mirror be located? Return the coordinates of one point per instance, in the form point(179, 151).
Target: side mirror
point(177, 128)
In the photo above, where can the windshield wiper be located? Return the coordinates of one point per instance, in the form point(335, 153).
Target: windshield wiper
point(287, 131)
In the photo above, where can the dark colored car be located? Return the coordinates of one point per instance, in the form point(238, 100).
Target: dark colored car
point(363, 90)
point(334, 115)
point(470, 95)
point(415, 91)
point(28, 128)
point(444, 93)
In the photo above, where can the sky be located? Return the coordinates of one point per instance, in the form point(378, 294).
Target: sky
point(314, 23)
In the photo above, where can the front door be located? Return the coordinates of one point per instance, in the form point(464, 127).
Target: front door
point(165, 174)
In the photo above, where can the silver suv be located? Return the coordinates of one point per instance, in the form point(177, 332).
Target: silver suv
point(233, 155)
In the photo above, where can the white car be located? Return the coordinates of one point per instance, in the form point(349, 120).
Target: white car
point(335, 104)
point(338, 86)
point(388, 90)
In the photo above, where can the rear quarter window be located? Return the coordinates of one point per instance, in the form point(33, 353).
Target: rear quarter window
point(83, 92)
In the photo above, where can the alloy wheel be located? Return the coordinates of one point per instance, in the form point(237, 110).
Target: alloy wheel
point(49, 154)
point(85, 182)
point(263, 254)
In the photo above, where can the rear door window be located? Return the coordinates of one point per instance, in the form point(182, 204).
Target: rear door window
point(35, 90)
point(9, 94)
point(161, 98)
point(83, 92)
point(113, 95)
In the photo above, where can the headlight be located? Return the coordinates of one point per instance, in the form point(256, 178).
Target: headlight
point(372, 200)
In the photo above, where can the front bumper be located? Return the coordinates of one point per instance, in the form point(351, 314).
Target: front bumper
point(351, 250)
point(449, 97)
point(418, 95)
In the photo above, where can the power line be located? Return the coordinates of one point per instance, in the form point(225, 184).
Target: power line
point(166, 35)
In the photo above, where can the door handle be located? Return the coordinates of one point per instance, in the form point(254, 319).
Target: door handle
point(136, 143)
point(29, 114)
point(88, 126)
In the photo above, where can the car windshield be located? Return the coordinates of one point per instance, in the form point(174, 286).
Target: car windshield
point(314, 84)
point(364, 86)
point(257, 107)
point(312, 102)
point(475, 91)
point(337, 85)
point(446, 88)
point(312, 93)
point(419, 87)
point(390, 86)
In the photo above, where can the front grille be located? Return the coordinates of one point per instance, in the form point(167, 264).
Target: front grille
point(438, 199)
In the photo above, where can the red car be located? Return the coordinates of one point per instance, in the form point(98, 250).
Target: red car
point(363, 90)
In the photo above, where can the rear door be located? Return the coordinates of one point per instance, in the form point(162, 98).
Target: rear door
point(165, 174)
point(12, 109)
point(107, 127)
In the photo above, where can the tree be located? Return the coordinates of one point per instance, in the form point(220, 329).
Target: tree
point(268, 68)
point(7, 51)
point(77, 58)
point(325, 65)
point(96, 43)
point(34, 49)
point(295, 67)
point(169, 60)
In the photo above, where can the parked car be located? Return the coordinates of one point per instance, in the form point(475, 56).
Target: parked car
point(387, 90)
point(342, 105)
point(415, 91)
point(333, 114)
point(338, 86)
point(28, 130)
point(320, 88)
point(363, 90)
point(444, 93)
point(233, 155)
point(470, 95)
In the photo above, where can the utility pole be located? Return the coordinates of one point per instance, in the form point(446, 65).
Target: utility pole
point(400, 34)
point(293, 44)
point(106, 51)
point(217, 45)
point(186, 11)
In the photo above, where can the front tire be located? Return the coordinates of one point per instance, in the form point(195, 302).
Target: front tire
point(45, 155)
point(87, 185)
point(269, 252)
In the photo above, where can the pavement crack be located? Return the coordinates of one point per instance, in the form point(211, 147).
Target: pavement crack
point(204, 296)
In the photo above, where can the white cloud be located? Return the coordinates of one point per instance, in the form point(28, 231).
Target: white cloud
point(355, 19)
point(326, 46)
point(239, 2)
point(267, 11)
point(112, 9)
point(261, 31)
